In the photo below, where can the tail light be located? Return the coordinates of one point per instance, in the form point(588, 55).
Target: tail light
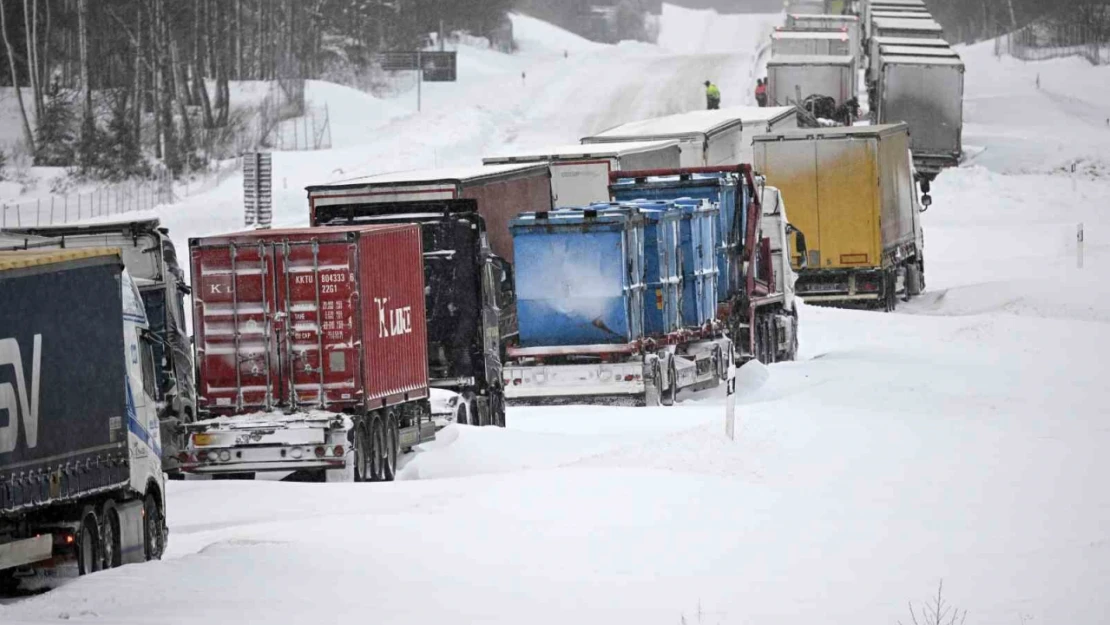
point(338, 451)
point(868, 286)
point(319, 452)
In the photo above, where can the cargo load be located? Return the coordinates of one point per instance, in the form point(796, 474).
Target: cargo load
point(580, 173)
point(851, 191)
point(502, 192)
point(792, 79)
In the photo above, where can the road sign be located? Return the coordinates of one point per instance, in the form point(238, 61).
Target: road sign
point(439, 66)
point(258, 196)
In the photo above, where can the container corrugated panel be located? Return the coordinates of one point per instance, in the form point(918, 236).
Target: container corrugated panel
point(579, 276)
point(698, 242)
point(661, 273)
point(327, 318)
point(718, 189)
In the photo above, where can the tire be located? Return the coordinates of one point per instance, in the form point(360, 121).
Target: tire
point(154, 528)
point(111, 546)
point(890, 281)
point(392, 448)
point(913, 280)
point(461, 417)
point(89, 556)
point(671, 394)
point(362, 453)
point(473, 412)
point(653, 396)
point(377, 450)
point(497, 407)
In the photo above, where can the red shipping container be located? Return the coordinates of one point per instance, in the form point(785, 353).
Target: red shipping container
point(321, 318)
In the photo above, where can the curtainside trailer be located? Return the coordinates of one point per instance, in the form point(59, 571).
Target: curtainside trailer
point(502, 192)
point(851, 191)
point(580, 173)
point(926, 92)
point(311, 352)
point(80, 460)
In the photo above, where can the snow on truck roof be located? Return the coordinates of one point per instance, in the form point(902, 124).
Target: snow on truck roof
point(908, 24)
point(824, 17)
point(692, 123)
point(34, 258)
point(922, 60)
point(579, 151)
point(888, 50)
point(811, 59)
point(833, 133)
point(452, 175)
point(832, 35)
point(911, 41)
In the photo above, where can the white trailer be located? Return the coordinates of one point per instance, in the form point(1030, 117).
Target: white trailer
point(793, 77)
point(811, 43)
point(878, 42)
point(849, 23)
point(580, 173)
point(907, 28)
point(926, 92)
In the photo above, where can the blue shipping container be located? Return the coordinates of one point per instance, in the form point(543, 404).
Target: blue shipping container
point(720, 189)
point(579, 276)
point(698, 240)
point(661, 274)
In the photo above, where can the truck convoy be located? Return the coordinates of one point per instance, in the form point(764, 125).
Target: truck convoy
point(580, 173)
point(311, 352)
point(852, 193)
point(80, 470)
point(151, 259)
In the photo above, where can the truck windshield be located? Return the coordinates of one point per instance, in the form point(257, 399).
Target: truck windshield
point(154, 301)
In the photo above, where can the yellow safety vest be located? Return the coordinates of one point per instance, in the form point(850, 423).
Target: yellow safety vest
point(712, 92)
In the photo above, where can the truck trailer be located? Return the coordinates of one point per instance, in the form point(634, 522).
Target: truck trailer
point(848, 23)
point(852, 193)
point(792, 79)
point(580, 173)
point(502, 192)
point(151, 259)
point(582, 276)
point(311, 353)
point(812, 43)
point(755, 297)
point(80, 467)
point(925, 91)
point(903, 28)
point(470, 302)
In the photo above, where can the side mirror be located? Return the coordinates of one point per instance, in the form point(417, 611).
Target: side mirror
point(926, 186)
point(926, 202)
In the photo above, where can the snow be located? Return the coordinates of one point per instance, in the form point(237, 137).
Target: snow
point(964, 438)
point(573, 151)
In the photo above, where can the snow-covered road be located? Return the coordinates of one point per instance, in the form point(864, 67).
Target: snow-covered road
point(962, 439)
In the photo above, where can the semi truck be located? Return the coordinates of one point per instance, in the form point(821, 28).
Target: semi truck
point(151, 259)
point(707, 138)
point(925, 91)
point(81, 479)
point(580, 173)
point(311, 353)
point(904, 28)
point(852, 193)
point(470, 302)
point(792, 79)
point(502, 192)
point(879, 42)
point(755, 294)
point(582, 283)
point(849, 23)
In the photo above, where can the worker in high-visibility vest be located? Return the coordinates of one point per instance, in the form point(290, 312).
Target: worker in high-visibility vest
point(712, 96)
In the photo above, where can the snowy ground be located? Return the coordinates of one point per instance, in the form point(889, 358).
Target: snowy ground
point(962, 439)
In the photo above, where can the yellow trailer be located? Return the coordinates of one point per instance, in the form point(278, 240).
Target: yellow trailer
point(851, 192)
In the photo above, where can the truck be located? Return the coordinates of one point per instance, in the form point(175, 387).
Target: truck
point(755, 295)
point(151, 259)
point(852, 193)
point(311, 353)
point(927, 92)
point(582, 278)
point(848, 23)
point(81, 479)
point(470, 302)
point(807, 6)
point(796, 42)
point(901, 6)
point(904, 28)
point(502, 192)
point(879, 42)
point(580, 173)
point(708, 138)
point(792, 79)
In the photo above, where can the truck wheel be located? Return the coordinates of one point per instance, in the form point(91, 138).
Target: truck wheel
point(770, 339)
point(890, 281)
point(392, 447)
point(461, 417)
point(362, 453)
point(377, 450)
point(497, 407)
point(671, 393)
point(88, 544)
point(913, 280)
point(154, 528)
point(110, 536)
point(653, 393)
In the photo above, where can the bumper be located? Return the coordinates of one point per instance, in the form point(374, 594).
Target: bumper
point(594, 380)
point(263, 445)
point(261, 459)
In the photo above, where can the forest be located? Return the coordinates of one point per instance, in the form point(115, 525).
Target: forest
point(112, 87)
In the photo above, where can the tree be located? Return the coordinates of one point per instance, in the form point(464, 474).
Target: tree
point(28, 136)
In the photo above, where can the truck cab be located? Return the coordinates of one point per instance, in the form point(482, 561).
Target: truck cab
point(151, 259)
point(469, 298)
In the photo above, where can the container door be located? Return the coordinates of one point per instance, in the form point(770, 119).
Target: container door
point(791, 166)
point(634, 250)
point(847, 183)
